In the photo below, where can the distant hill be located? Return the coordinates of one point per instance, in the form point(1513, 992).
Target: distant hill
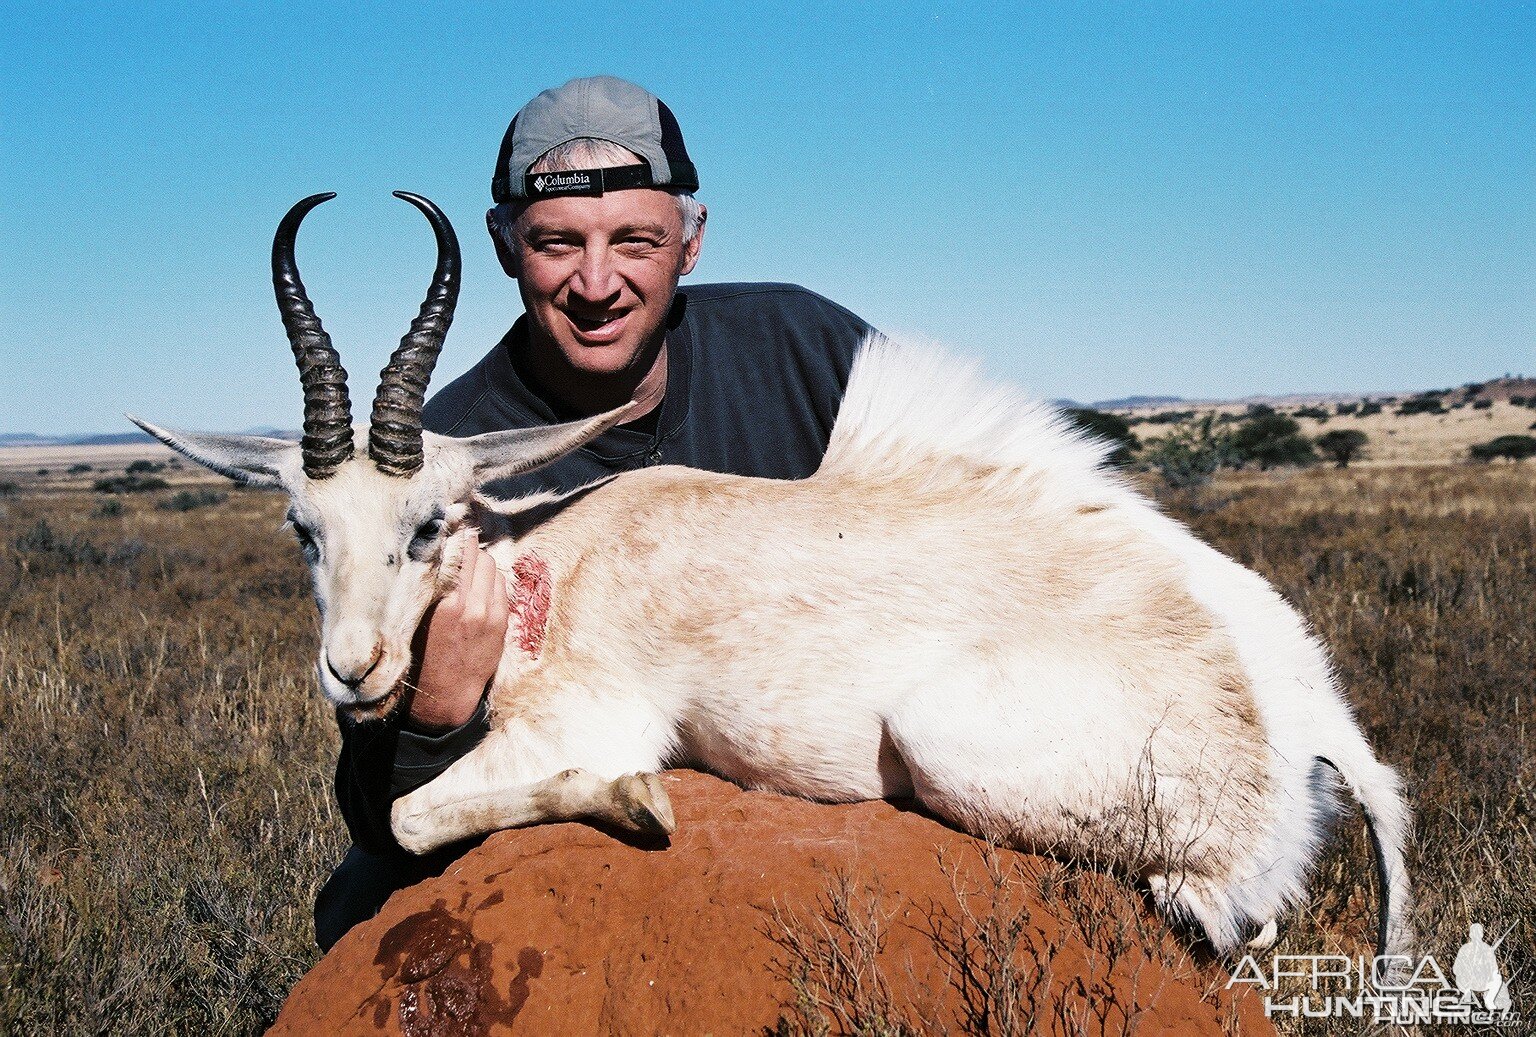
point(14, 439)
point(1126, 402)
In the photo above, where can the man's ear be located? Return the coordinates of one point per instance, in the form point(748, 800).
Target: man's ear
point(693, 248)
point(252, 460)
point(506, 256)
point(498, 455)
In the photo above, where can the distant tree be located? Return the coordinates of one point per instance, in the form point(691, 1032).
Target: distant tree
point(42, 471)
point(1482, 404)
point(137, 467)
point(1516, 448)
point(1107, 426)
point(1270, 440)
point(78, 469)
point(1342, 445)
point(1424, 403)
point(1369, 407)
point(1346, 408)
point(1316, 413)
point(1258, 410)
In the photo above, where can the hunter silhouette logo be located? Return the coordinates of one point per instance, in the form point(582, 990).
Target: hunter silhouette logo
point(1477, 971)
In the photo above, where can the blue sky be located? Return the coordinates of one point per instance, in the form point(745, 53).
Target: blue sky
point(1186, 199)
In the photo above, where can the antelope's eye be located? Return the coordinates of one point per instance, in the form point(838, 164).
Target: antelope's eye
point(426, 535)
point(306, 538)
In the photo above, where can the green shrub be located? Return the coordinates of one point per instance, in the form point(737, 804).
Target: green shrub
point(130, 484)
point(136, 467)
point(109, 508)
point(1424, 403)
point(191, 500)
point(1110, 427)
point(1271, 440)
point(1482, 404)
point(1516, 448)
point(1189, 455)
point(79, 469)
point(1342, 445)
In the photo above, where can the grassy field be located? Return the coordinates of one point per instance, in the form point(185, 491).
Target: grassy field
point(166, 759)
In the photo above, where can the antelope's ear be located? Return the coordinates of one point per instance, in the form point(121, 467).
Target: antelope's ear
point(253, 460)
point(498, 455)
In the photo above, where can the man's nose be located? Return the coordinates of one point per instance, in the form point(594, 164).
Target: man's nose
point(596, 280)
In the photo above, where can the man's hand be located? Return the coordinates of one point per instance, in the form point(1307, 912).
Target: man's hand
point(460, 643)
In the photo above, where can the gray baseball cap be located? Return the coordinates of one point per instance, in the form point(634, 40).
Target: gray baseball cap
point(603, 107)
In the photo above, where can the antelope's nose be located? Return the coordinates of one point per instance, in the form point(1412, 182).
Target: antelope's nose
point(354, 675)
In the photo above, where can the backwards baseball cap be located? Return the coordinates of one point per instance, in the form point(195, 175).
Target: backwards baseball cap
point(603, 107)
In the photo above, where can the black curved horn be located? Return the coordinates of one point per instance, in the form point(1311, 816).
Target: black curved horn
point(327, 438)
point(394, 434)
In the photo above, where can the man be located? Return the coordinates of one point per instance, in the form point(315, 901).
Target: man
point(595, 218)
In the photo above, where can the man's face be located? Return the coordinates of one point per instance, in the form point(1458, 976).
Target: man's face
point(597, 275)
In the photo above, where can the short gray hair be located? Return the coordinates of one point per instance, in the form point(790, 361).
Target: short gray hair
point(591, 153)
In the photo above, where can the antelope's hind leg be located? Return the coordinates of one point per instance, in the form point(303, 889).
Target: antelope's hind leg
point(459, 805)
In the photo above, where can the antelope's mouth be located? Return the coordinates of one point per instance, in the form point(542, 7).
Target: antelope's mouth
point(381, 708)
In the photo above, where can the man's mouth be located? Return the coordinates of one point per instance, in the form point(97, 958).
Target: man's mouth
point(598, 329)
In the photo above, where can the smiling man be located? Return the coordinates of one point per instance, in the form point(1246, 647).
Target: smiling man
point(595, 218)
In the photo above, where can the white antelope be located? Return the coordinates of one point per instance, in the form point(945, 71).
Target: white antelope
point(962, 606)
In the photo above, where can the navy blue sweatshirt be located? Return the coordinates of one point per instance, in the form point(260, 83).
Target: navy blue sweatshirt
point(755, 375)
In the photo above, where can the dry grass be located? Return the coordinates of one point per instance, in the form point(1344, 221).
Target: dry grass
point(166, 763)
point(166, 760)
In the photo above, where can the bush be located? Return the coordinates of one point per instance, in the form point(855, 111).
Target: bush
point(1316, 413)
point(9, 489)
point(191, 500)
point(73, 551)
point(1369, 407)
point(1482, 404)
point(1342, 445)
point(109, 508)
point(1109, 427)
point(1170, 417)
point(1516, 448)
point(79, 469)
point(130, 484)
point(1189, 455)
point(42, 471)
point(1424, 403)
point(1346, 408)
point(1270, 440)
point(135, 467)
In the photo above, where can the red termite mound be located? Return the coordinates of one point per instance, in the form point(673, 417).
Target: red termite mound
point(763, 914)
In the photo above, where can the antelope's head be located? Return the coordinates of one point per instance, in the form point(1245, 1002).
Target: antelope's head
point(374, 507)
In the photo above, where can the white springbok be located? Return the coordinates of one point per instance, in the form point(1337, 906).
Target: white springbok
point(962, 606)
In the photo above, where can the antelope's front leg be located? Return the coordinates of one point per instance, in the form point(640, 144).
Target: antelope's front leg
point(466, 801)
